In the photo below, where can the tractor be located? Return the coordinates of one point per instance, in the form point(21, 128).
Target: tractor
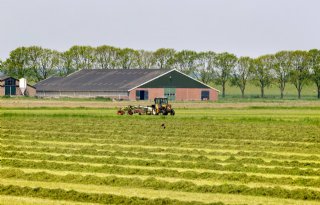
point(161, 106)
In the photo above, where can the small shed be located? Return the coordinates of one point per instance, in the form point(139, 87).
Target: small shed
point(9, 86)
point(127, 84)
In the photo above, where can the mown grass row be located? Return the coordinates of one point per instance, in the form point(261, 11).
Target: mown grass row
point(95, 156)
point(60, 194)
point(169, 164)
point(174, 154)
point(97, 149)
point(310, 149)
point(222, 129)
point(185, 186)
point(160, 172)
point(242, 157)
point(119, 139)
point(198, 131)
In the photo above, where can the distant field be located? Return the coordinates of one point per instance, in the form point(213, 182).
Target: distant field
point(250, 155)
point(272, 92)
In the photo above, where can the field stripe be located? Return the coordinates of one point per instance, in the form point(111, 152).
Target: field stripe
point(198, 182)
point(216, 155)
point(19, 200)
point(220, 160)
point(181, 196)
point(137, 168)
point(206, 150)
point(199, 138)
point(196, 144)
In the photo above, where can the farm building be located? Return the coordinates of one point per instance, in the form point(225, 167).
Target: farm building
point(131, 84)
point(10, 86)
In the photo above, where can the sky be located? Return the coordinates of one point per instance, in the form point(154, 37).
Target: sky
point(243, 27)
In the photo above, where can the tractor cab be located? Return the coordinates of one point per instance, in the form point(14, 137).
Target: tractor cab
point(161, 106)
point(161, 101)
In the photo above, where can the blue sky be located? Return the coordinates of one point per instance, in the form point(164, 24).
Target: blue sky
point(243, 27)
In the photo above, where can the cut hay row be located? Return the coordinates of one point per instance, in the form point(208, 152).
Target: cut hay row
point(210, 165)
point(109, 158)
point(313, 150)
point(281, 158)
point(104, 194)
point(217, 179)
point(93, 141)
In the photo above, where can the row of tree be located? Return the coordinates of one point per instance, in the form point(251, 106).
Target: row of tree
point(296, 67)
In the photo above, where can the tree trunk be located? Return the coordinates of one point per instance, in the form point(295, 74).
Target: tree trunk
point(223, 89)
point(242, 93)
point(318, 92)
point(299, 93)
point(262, 92)
point(281, 90)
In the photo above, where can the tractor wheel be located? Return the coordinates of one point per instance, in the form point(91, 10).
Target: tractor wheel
point(120, 112)
point(172, 112)
point(164, 112)
point(154, 112)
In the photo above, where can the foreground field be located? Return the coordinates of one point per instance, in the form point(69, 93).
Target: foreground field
point(252, 155)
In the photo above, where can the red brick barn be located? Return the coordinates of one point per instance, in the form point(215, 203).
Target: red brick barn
point(128, 84)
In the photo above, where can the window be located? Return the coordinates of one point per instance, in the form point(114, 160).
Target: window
point(205, 95)
point(10, 81)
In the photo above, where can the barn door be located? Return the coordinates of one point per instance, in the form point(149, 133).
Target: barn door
point(10, 87)
point(170, 93)
point(142, 95)
point(205, 95)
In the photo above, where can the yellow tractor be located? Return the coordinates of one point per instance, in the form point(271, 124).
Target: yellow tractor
point(161, 106)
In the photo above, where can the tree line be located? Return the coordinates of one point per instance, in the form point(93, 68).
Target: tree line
point(296, 67)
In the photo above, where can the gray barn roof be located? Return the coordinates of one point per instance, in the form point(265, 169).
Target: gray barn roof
point(100, 80)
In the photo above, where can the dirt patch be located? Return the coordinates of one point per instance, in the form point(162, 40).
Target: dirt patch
point(25, 103)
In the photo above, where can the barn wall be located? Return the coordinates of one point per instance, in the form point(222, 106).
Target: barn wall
point(214, 95)
point(182, 94)
point(31, 91)
point(2, 91)
point(152, 92)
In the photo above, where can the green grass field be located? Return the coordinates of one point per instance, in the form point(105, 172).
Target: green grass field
point(248, 155)
point(252, 92)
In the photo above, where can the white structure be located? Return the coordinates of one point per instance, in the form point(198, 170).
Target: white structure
point(23, 85)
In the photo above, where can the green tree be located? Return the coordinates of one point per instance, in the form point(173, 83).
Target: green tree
point(47, 64)
point(146, 59)
point(66, 64)
point(164, 57)
point(262, 73)
point(106, 57)
point(241, 72)
point(17, 65)
point(314, 56)
point(299, 74)
point(1, 65)
point(82, 57)
point(205, 66)
point(128, 58)
point(281, 67)
point(224, 63)
point(185, 61)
